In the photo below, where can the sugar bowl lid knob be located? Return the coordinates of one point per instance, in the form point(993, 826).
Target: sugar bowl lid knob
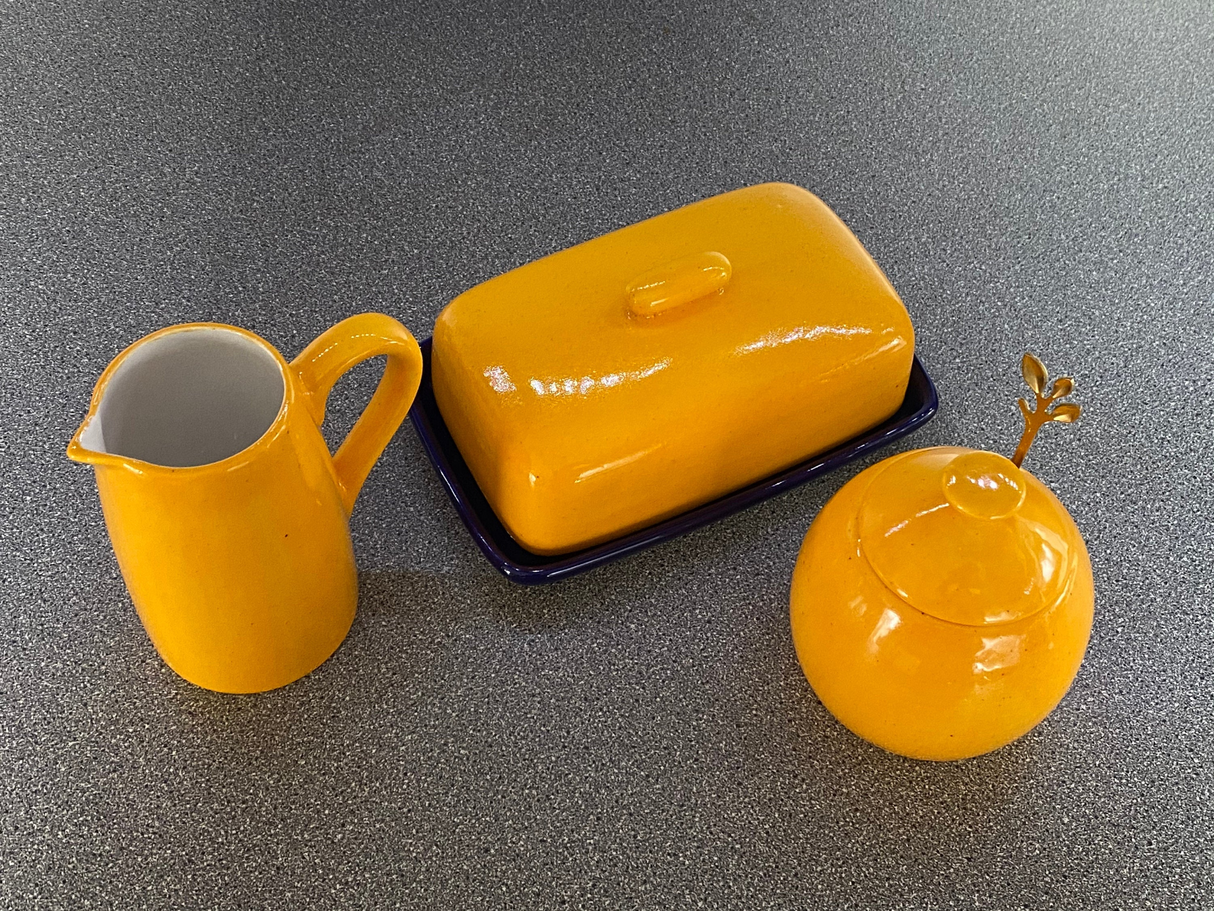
point(984, 485)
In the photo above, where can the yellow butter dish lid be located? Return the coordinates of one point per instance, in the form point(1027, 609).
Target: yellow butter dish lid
point(624, 380)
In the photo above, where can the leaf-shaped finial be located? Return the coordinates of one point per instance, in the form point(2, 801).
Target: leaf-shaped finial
point(1066, 413)
point(1048, 407)
point(1034, 372)
point(1063, 386)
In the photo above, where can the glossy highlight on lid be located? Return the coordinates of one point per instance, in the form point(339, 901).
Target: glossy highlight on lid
point(584, 385)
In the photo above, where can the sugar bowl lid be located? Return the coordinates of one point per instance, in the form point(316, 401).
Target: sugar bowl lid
point(969, 536)
point(966, 536)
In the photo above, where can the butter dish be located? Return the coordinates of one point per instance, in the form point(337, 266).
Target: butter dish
point(621, 382)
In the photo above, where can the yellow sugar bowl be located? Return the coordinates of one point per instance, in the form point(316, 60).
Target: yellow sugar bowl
point(942, 600)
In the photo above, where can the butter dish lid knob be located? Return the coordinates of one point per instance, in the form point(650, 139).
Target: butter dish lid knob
point(678, 282)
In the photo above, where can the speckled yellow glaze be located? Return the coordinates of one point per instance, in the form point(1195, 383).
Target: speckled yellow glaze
point(629, 378)
point(942, 603)
point(241, 569)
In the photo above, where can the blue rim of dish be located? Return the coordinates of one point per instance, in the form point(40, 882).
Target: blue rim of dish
point(520, 565)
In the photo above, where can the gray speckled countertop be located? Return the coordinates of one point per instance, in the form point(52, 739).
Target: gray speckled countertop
point(1029, 175)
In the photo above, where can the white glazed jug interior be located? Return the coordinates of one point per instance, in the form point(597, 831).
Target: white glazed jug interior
point(189, 397)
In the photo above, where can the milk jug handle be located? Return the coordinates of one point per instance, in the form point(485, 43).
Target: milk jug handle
point(334, 352)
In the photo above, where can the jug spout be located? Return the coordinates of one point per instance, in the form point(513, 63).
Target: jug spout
point(88, 443)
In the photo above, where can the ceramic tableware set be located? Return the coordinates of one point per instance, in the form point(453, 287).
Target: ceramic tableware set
point(590, 404)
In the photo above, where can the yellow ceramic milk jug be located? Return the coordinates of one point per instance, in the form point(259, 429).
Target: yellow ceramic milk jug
point(942, 600)
point(227, 513)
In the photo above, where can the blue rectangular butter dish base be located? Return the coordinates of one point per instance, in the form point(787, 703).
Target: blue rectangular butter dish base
point(522, 566)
